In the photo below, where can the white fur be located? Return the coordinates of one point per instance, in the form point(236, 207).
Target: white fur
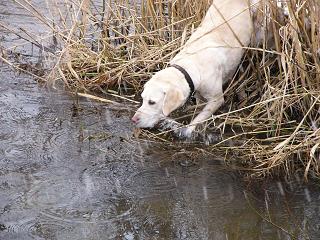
point(210, 56)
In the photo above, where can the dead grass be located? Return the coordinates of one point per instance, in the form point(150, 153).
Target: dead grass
point(274, 116)
point(131, 41)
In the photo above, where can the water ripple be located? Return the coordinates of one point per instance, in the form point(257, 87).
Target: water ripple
point(150, 182)
point(93, 197)
point(31, 228)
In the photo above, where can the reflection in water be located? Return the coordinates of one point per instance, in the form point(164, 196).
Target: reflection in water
point(56, 182)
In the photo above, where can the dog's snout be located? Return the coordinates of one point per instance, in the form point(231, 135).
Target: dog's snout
point(135, 119)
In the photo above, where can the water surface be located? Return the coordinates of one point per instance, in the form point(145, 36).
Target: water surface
point(71, 169)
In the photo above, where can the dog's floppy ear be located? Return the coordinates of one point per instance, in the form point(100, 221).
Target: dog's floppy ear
point(172, 100)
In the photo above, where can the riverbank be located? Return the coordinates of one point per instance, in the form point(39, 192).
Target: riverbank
point(274, 113)
point(271, 124)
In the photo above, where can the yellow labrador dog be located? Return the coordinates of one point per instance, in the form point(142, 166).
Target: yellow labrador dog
point(208, 59)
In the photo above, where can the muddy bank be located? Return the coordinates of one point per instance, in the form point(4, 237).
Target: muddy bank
point(70, 169)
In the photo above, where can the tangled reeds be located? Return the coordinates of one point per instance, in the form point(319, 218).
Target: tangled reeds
point(129, 41)
point(274, 116)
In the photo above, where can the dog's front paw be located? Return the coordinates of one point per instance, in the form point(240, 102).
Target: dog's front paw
point(185, 132)
point(169, 124)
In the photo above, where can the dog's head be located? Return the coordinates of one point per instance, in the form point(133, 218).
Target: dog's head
point(160, 97)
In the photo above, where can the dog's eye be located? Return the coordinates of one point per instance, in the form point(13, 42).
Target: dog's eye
point(151, 102)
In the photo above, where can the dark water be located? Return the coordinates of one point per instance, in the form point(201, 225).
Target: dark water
point(73, 171)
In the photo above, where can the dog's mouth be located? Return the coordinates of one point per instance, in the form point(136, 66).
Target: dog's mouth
point(164, 123)
point(146, 124)
point(149, 123)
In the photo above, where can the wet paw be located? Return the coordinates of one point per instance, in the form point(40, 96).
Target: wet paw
point(185, 132)
point(169, 124)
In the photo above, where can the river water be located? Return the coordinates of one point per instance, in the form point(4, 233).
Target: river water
point(71, 169)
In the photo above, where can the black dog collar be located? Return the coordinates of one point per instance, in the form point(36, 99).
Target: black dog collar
point(187, 77)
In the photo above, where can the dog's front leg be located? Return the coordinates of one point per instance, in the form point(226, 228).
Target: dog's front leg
point(213, 104)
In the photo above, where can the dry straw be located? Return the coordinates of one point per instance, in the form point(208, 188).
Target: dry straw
point(274, 116)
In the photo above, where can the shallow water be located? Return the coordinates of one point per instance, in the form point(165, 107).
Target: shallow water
point(73, 171)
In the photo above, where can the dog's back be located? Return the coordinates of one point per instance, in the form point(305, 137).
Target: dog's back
point(222, 25)
point(224, 31)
